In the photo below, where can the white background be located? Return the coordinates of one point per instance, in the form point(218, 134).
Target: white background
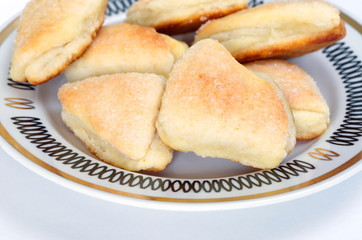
point(32, 207)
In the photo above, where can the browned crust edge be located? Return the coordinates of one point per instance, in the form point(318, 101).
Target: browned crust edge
point(294, 48)
point(185, 25)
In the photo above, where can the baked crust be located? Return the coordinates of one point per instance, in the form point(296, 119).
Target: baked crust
point(114, 115)
point(291, 49)
point(184, 25)
point(310, 110)
point(215, 107)
point(175, 17)
point(52, 34)
point(125, 48)
point(280, 29)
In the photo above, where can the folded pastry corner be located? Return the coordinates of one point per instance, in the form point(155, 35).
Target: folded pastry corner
point(175, 17)
point(279, 29)
point(309, 108)
point(122, 48)
point(215, 107)
point(114, 115)
point(52, 34)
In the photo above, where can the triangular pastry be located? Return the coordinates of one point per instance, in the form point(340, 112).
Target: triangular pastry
point(114, 115)
point(123, 48)
point(215, 107)
point(279, 29)
point(310, 110)
point(52, 34)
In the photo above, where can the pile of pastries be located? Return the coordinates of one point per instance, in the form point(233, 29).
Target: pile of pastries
point(135, 93)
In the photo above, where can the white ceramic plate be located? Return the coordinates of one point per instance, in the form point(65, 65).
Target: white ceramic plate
point(33, 133)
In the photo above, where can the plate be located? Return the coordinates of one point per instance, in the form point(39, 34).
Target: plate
point(33, 133)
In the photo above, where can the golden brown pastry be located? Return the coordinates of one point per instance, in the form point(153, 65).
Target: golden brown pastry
point(174, 16)
point(52, 34)
point(310, 110)
point(280, 29)
point(215, 107)
point(125, 48)
point(114, 115)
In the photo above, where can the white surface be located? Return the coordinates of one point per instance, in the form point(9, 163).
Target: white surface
point(32, 207)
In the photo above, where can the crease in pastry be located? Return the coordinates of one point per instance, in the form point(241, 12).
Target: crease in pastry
point(45, 27)
point(175, 17)
point(52, 62)
point(114, 116)
point(122, 48)
point(279, 29)
point(215, 107)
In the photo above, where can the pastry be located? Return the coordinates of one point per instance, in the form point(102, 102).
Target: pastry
point(216, 107)
point(310, 110)
point(114, 115)
point(125, 48)
point(52, 34)
point(174, 17)
point(280, 29)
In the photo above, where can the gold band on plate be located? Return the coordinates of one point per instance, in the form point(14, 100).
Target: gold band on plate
point(7, 136)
